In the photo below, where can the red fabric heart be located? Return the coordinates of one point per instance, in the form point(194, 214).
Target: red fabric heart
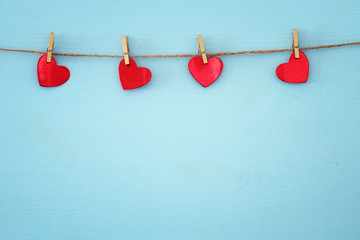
point(50, 74)
point(295, 71)
point(131, 76)
point(205, 74)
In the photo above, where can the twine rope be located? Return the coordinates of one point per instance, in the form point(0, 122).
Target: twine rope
point(183, 55)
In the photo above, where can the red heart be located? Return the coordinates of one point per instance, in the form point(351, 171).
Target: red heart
point(205, 74)
point(131, 76)
point(50, 74)
point(295, 71)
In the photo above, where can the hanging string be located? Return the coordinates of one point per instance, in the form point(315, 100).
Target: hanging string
point(184, 55)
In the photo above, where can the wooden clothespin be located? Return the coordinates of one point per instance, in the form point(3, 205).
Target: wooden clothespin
point(126, 49)
point(202, 49)
point(50, 47)
point(296, 43)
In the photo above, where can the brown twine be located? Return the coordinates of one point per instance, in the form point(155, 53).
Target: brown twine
point(184, 55)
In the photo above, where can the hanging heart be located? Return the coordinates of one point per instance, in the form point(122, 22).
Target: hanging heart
point(295, 71)
point(205, 74)
point(132, 76)
point(50, 74)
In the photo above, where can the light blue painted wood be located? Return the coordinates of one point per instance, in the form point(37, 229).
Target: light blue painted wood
point(250, 157)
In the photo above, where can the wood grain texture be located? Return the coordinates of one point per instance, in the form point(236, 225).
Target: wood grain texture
point(250, 157)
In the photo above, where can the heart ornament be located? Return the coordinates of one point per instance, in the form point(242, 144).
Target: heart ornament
point(205, 74)
point(132, 76)
point(50, 74)
point(294, 71)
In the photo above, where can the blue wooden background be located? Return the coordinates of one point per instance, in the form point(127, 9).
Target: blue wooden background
point(250, 157)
